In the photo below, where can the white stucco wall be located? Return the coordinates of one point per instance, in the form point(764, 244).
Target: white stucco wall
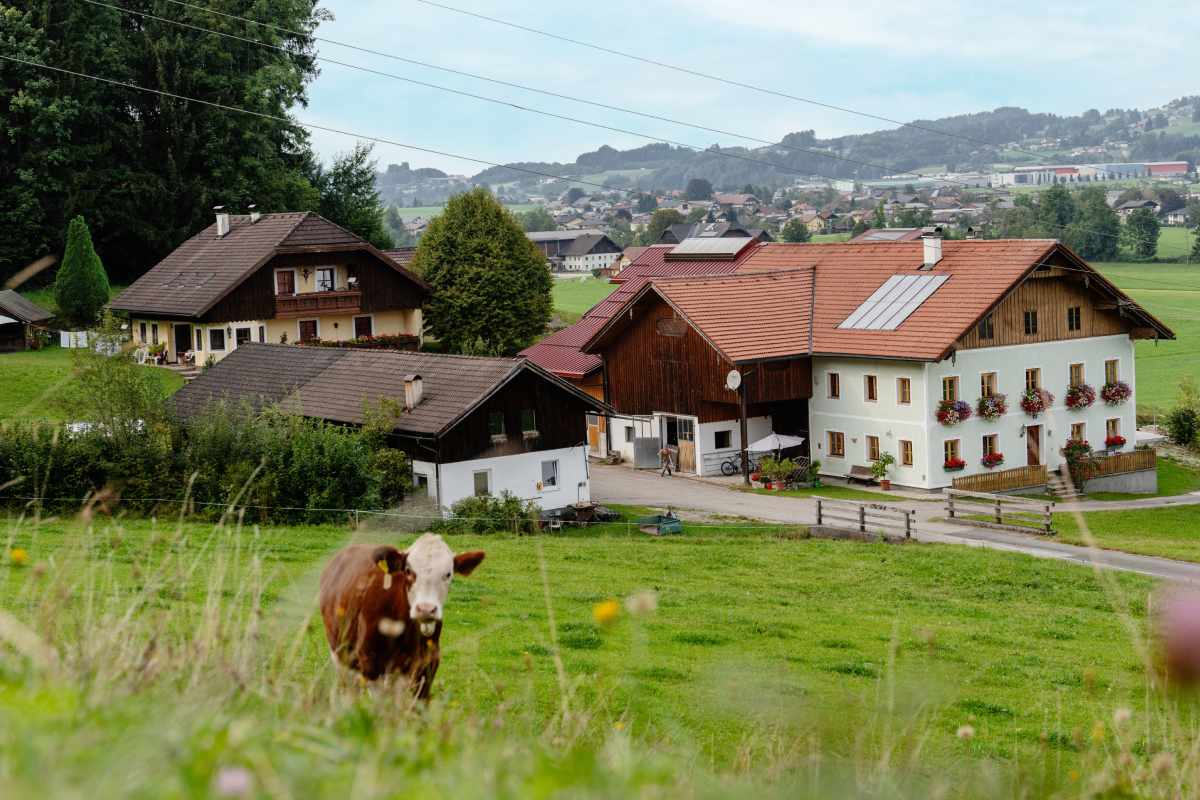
point(856, 418)
point(519, 474)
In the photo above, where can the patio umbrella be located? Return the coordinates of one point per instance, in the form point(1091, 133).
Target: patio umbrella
point(775, 442)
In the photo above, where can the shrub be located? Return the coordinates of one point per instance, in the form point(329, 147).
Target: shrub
point(1184, 426)
point(778, 470)
point(484, 514)
point(81, 288)
point(1080, 463)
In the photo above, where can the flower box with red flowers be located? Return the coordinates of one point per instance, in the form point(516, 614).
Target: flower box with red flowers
point(992, 460)
point(954, 465)
point(993, 407)
point(1116, 393)
point(384, 341)
point(1080, 396)
point(1113, 442)
point(952, 412)
point(1035, 401)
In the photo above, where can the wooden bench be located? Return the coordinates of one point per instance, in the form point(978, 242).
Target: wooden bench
point(861, 473)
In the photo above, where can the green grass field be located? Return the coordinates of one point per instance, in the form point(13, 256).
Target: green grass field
point(1171, 292)
point(771, 668)
point(573, 298)
point(31, 380)
point(1173, 479)
point(1169, 532)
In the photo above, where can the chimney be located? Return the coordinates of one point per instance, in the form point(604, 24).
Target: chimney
point(931, 238)
point(412, 391)
point(222, 221)
point(254, 215)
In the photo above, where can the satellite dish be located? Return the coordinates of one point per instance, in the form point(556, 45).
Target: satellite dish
point(733, 380)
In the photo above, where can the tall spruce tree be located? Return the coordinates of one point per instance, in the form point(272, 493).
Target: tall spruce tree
point(81, 288)
point(492, 288)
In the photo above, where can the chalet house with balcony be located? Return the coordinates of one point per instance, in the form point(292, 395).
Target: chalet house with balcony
point(857, 346)
point(270, 278)
point(470, 425)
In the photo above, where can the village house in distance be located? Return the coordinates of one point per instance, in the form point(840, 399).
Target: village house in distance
point(270, 278)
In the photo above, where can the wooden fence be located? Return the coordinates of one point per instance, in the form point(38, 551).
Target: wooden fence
point(861, 516)
point(1126, 462)
point(1004, 480)
point(1035, 514)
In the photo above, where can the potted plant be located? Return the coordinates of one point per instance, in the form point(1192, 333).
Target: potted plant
point(1035, 401)
point(778, 470)
point(992, 460)
point(756, 480)
point(1116, 393)
point(1114, 442)
point(952, 412)
point(1080, 396)
point(993, 407)
point(954, 464)
point(814, 471)
point(879, 469)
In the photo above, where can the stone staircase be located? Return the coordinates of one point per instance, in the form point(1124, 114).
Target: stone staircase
point(187, 371)
point(1062, 487)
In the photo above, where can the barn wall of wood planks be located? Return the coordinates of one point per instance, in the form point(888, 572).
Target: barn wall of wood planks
point(1050, 293)
point(671, 368)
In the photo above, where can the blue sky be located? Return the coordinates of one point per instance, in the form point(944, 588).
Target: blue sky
point(902, 60)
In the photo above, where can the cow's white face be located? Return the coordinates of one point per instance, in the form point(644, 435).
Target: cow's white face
point(431, 565)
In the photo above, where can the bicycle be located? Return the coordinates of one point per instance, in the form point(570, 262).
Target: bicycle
point(733, 465)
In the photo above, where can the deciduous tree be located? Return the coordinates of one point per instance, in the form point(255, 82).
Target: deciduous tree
point(1140, 233)
point(535, 220)
point(699, 189)
point(663, 218)
point(795, 231)
point(490, 281)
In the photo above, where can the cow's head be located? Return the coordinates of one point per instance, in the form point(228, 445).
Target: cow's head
point(430, 567)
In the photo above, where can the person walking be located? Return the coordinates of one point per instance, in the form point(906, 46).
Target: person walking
point(665, 455)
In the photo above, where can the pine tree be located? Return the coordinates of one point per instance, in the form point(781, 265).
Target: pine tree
point(81, 288)
point(492, 288)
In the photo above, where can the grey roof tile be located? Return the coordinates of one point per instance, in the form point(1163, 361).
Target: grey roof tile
point(17, 307)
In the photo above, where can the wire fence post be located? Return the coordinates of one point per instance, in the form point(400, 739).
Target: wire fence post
point(781, 533)
point(356, 519)
point(629, 530)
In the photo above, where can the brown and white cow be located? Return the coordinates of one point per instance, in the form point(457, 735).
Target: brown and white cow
point(382, 607)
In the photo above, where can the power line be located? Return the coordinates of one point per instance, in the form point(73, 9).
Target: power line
point(291, 121)
point(664, 65)
point(538, 111)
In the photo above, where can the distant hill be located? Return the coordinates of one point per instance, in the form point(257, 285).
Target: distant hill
point(895, 150)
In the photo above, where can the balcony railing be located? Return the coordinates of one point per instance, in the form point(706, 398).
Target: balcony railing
point(1131, 461)
point(317, 303)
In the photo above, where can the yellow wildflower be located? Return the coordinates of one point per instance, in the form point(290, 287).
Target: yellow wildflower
point(606, 612)
point(18, 555)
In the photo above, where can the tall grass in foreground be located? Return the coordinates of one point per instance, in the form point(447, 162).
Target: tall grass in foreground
point(188, 666)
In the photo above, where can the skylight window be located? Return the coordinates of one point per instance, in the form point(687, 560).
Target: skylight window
point(893, 302)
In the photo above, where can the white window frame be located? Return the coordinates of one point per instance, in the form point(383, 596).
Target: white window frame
point(224, 338)
point(1082, 371)
point(995, 387)
point(867, 375)
point(942, 389)
point(829, 387)
point(308, 319)
point(900, 454)
point(357, 317)
point(900, 402)
point(1041, 374)
point(834, 430)
point(295, 279)
point(999, 442)
point(332, 278)
point(249, 328)
point(867, 446)
point(487, 472)
point(557, 477)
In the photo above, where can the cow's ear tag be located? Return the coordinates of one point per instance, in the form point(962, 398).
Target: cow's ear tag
point(387, 581)
point(383, 565)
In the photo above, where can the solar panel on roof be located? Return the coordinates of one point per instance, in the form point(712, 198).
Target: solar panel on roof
point(696, 246)
point(893, 302)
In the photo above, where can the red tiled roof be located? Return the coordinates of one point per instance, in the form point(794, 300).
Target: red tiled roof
point(560, 354)
point(773, 290)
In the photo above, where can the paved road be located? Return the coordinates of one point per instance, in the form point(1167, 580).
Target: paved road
point(647, 488)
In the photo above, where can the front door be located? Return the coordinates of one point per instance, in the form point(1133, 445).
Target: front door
point(1033, 445)
point(183, 341)
point(308, 328)
point(593, 423)
point(687, 445)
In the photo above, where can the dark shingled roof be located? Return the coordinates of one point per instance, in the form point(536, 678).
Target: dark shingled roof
point(256, 372)
point(401, 255)
point(15, 306)
point(204, 269)
point(331, 383)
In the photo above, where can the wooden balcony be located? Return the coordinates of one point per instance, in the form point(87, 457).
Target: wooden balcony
point(1129, 461)
point(316, 304)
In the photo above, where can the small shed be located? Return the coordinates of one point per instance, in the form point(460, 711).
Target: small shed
point(19, 319)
